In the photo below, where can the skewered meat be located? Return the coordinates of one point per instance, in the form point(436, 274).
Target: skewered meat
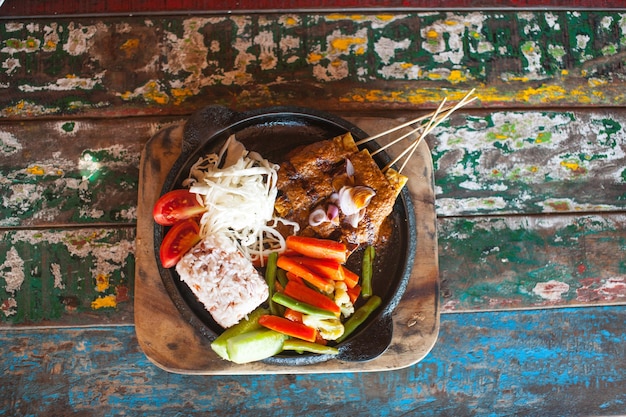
point(312, 176)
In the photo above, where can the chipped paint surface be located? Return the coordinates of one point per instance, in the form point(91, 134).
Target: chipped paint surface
point(90, 269)
point(506, 263)
point(519, 154)
point(177, 59)
point(65, 180)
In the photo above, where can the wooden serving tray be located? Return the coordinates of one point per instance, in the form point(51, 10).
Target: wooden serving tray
point(175, 346)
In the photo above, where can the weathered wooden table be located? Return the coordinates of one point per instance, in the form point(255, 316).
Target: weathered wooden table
point(530, 182)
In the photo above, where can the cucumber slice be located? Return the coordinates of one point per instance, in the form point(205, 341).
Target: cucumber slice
point(219, 345)
point(255, 345)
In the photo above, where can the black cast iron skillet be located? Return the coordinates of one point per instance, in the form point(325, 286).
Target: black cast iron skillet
point(273, 132)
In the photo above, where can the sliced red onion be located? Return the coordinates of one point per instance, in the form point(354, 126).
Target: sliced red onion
point(332, 212)
point(317, 217)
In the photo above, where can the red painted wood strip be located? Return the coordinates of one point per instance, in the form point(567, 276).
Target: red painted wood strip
point(14, 8)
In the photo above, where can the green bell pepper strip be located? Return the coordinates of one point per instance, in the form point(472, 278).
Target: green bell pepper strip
point(303, 308)
point(367, 272)
point(270, 278)
point(304, 346)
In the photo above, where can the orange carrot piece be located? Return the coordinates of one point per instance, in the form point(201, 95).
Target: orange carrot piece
point(293, 315)
point(327, 268)
point(318, 248)
point(293, 277)
point(289, 265)
point(350, 278)
point(310, 296)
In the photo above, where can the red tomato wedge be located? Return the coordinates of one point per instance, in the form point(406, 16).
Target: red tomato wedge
point(178, 240)
point(175, 206)
point(318, 248)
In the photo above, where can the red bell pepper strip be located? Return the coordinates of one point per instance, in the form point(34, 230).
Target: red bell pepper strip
point(310, 296)
point(296, 316)
point(288, 264)
point(318, 248)
point(354, 293)
point(288, 327)
point(327, 268)
point(350, 278)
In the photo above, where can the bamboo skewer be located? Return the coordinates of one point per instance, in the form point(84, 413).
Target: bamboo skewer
point(434, 119)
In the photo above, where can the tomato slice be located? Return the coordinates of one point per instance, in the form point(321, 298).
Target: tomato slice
point(176, 205)
point(178, 240)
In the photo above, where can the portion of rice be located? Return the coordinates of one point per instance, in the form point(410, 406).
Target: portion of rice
point(225, 282)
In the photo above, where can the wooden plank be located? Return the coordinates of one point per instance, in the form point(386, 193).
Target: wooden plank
point(494, 263)
point(500, 364)
point(66, 276)
point(56, 8)
point(71, 172)
point(531, 162)
point(86, 171)
point(111, 66)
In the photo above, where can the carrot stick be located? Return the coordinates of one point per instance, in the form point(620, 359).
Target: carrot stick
point(318, 248)
point(289, 265)
point(327, 268)
point(350, 278)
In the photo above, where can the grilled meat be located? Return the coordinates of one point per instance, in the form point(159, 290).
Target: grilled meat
point(312, 174)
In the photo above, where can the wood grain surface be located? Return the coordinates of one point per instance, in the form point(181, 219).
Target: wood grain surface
point(111, 66)
point(530, 190)
point(556, 362)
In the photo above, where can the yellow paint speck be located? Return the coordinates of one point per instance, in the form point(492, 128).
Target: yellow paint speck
point(544, 94)
point(103, 302)
point(35, 170)
point(570, 165)
point(343, 44)
point(431, 34)
point(336, 16)
point(152, 93)
point(130, 47)
point(595, 82)
point(314, 57)
point(385, 17)
point(102, 282)
point(456, 76)
point(181, 94)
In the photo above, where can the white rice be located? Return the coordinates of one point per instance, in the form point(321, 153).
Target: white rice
point(224, 281)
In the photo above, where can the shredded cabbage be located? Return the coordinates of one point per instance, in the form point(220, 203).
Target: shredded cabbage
point(239, 190)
